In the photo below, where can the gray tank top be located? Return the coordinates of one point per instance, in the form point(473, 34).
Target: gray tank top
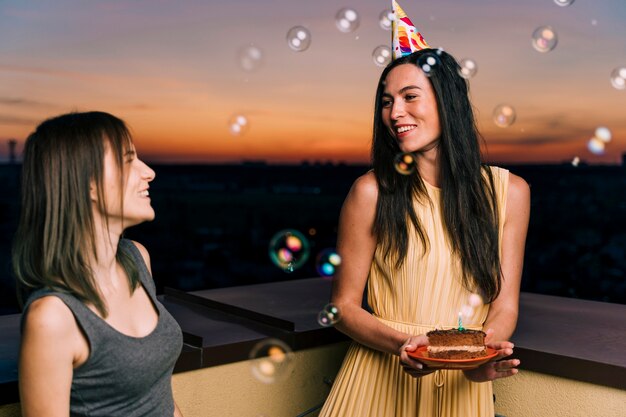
point(124, 376)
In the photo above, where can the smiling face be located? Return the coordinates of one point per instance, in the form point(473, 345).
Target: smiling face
point(126, 195)
point(409, 109)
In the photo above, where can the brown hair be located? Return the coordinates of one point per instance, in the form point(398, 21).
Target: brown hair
point(469, 205)
point(55, 237)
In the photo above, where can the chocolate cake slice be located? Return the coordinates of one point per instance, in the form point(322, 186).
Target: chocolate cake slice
point(456, 344)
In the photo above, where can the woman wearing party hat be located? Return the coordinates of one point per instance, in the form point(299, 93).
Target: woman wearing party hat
point(423, 241)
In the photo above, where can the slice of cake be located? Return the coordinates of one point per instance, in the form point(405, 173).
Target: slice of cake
point(456, 344)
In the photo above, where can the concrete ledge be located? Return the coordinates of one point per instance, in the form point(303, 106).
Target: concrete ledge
point(575, 339)
point(579, 340)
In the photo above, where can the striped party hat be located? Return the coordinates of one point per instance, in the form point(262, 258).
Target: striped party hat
point(405, 38)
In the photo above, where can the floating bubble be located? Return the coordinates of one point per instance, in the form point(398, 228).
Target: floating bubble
point(327, 262)
point(385, 18)
point(468, 68)
point(289, 250)
point(428, 62)
point(382, 55)
point(238, 124)
point(466, 312)
point(575, 161)
point(405, 163)
point(347, 20)
point(618, 78)
point(604, 134)
point(596, 146)
point(563, 3)
point(250, 58)
point(329, 316)
point(271, 360)
point(504, 115)
point(475, 300)
point(299, 38)
point(544, 39)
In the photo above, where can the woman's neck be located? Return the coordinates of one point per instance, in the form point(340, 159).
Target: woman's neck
point(106, 270)
point(428, 166)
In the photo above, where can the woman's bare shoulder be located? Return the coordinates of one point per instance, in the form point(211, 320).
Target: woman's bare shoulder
point(49, 316)
point(142, 250)
point(365, 188)
point(518, 190)
point(518, 199)
point(144, 254)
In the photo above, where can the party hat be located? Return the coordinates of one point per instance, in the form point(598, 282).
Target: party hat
point(405, 38)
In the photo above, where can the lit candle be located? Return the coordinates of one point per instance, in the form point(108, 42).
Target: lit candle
point(460, 323)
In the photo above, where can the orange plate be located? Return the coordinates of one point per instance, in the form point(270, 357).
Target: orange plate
point(420, 355)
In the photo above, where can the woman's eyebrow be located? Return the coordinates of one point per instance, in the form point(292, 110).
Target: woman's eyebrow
point(402, 90)
point(409, 87)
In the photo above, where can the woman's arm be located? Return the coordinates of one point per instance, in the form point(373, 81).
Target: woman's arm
point(356, 244)
point(52, 345)
point(502, 317)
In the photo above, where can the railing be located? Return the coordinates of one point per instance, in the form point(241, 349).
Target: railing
point(566, 346)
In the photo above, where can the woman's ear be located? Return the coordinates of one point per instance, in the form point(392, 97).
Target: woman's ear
point(93, 191)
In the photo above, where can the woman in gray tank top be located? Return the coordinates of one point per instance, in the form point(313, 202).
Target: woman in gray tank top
point(95, 339)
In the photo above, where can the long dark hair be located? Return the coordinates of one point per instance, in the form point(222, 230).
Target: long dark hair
point(469, 204)
point(55, 237)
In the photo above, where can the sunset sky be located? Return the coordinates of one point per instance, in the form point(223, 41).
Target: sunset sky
point(170, 69)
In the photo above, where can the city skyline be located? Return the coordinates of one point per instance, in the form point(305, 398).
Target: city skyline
point(171, 70)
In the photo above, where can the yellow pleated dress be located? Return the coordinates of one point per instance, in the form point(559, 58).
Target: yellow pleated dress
point(424, 293)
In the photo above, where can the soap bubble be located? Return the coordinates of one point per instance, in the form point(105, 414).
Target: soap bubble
point(271, 360)
point(467, 311)
point(618, 78)
point(428, 63)
point(475, 300)
point(327, 262)
point(385, 18)
point(468, 68)
point(289, 250)
point(329, 316)
point(405, 163)
point(504, 115)
point(238, 124)
point(596, 146)
point(299, 38)
point(250, 58)
point(382, 55)
point(563, 3)
point(347, 20)
point(544, 39)
point(604, 134)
